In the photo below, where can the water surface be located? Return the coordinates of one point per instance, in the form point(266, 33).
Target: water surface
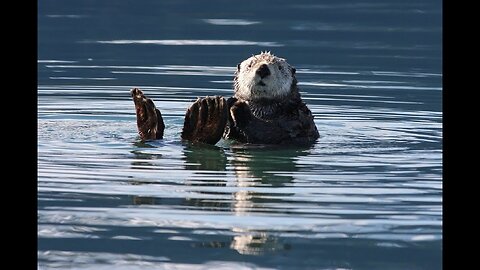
point(367, 195)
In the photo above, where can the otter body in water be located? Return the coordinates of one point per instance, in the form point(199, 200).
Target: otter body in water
point(266, 109)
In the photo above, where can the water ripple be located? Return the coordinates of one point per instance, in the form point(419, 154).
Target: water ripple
point(239, 22)
point(190, 42)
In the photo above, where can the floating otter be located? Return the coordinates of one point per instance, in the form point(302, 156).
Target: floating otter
point(266, 109)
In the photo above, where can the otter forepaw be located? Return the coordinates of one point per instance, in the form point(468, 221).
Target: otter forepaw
point(205, 120)
point(240, 114)
point(149, 119)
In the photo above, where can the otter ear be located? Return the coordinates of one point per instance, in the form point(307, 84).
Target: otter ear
point(294, 70)
point(238, 67)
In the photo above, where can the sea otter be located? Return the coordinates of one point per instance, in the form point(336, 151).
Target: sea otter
point(266, 108)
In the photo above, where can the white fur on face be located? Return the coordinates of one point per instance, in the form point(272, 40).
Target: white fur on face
point(277, 84)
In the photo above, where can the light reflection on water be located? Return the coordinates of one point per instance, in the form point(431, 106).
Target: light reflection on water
point(197, 42)
point(367, 195)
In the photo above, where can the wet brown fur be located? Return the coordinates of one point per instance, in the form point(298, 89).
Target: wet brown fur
point(149, 119)
point(205, 120)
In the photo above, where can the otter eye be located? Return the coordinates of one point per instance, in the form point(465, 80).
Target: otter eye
point(250, 65)
point(280, 68)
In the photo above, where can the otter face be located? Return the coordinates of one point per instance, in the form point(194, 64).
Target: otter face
point(263, 76)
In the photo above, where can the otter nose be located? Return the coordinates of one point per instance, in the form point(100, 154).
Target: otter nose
point(263, 71)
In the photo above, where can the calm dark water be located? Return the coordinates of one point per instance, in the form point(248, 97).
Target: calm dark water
point(367, 195)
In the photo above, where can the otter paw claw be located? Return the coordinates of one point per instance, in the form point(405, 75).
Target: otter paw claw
point(205, 120)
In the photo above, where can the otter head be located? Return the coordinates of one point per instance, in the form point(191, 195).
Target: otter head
point(263, 76)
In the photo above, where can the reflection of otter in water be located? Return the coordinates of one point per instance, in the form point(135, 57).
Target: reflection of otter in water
point(204, 157)
point(258, 165)
point(252, 167)
point(266, 109)
point(262, 165)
